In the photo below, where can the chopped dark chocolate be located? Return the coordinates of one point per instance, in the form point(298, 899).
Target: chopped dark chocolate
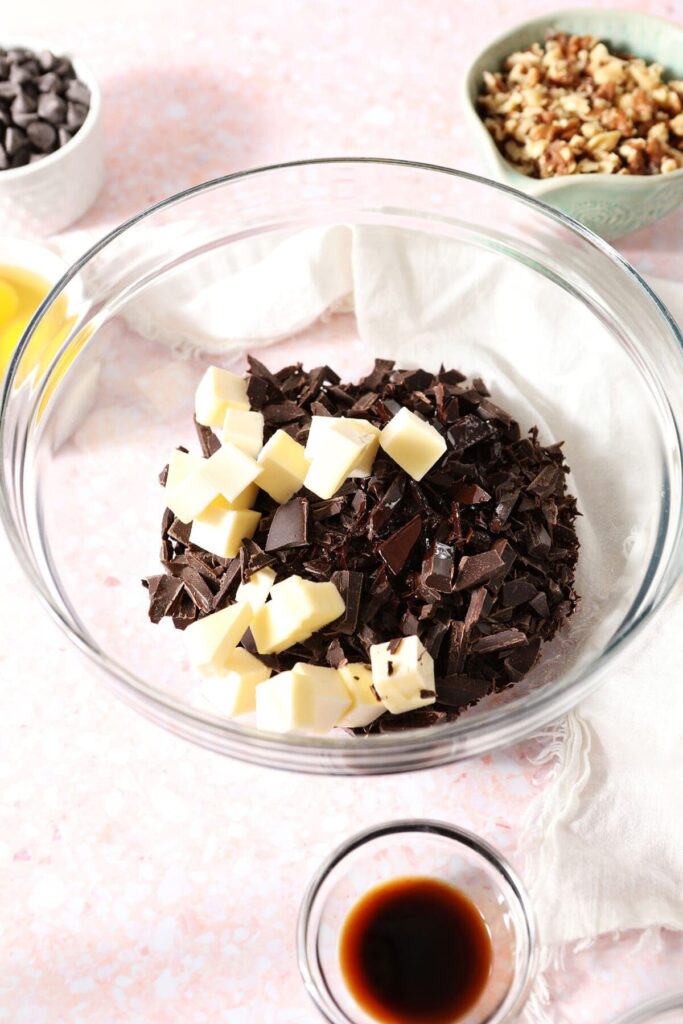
point(208, 441)
point(473, 570)
point(289, 526)
point(396, 549)
point(476, 559)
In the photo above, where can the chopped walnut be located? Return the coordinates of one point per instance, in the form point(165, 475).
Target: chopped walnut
point(571, 106)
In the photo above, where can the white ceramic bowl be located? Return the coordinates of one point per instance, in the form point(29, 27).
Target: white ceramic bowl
point(46, 197)
point(610, 204)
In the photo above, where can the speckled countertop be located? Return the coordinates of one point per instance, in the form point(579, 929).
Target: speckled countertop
point(137, 884)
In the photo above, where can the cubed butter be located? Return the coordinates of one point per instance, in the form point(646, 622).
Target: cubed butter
point(308, 699)
point(181, 465)
point(342, 450)
point(283, 466)
point(297, 608)
point(211, 640)
point(233, 691)
point(256, 590)
point(218, 391)
point(230, 471)
point(244, 429)
point(403, 674)
point(221, 530)
point(316, 442)
point(365, 704)
point(412, 442)
point(244, 500)
point(188, 492)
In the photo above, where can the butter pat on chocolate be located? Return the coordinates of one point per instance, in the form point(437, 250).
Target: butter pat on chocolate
point(342, 449)
point(283, 465)
point(316, 443)
point(297, 609)
point(230, 471)
point(244, 429)
point(403, 674)
point(412, 442)
point(308, 699)
point(232, 692)
point(221, 530)
point(211, 640)
point(365, 704)
point(256, 590)
point(218, 391)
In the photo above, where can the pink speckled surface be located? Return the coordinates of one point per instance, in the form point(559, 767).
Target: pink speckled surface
point(142, 880)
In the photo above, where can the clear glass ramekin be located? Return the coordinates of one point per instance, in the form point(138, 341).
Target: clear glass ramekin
point(89, 415)
point(423, 848)
point(667, 1010)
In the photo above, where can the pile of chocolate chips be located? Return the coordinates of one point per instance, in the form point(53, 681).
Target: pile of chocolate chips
point(477, 558)
point(42, 105)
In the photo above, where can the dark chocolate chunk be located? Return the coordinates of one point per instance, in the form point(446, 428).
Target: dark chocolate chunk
point(474, 570)
point(499, 641)
point(163, 591)
point(437, 568)
point(350, 586)
point(469, 430)
point(208, 441)
point(470, 494)
point(289, 526)
point(458, 690)
point(396, 549)
point(517, 592)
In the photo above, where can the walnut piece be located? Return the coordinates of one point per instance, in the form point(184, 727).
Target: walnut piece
point(571, 106)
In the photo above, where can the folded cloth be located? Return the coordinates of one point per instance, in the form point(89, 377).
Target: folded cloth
point(605, 846)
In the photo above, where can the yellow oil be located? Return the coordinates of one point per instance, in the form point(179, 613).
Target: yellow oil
point(21, 292)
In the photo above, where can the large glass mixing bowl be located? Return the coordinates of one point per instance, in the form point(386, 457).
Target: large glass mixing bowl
point(442, 265)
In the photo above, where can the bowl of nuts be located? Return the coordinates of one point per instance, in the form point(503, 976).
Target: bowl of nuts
point(51, 153)
point(583, 109)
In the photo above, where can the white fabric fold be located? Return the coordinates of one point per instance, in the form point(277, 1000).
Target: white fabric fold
point(605, 848)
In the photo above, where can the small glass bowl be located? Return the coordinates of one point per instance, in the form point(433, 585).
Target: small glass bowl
point(668, 1010)
point(417, 848)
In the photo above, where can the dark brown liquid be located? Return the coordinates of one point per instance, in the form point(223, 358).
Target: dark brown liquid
point(415, 951)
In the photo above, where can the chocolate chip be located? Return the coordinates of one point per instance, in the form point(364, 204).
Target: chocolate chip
point(42, 136)
point(51, 108)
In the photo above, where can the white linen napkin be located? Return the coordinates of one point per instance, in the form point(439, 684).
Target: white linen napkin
point(604, 841)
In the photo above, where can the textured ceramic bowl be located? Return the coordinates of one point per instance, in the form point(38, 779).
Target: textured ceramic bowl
point(430, 849)
point(610, 204)
point(43, 198)
point(668, 1010)
point(88, 418)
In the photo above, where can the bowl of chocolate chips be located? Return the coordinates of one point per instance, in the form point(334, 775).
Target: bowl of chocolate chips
point(51, 146)
point(349, 466)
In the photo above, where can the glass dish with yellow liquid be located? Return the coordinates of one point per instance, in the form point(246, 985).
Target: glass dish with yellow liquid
point(21, 292)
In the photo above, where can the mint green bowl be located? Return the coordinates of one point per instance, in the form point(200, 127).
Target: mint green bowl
point(611, 205)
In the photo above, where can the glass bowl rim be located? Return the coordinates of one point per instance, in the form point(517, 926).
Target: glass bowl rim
point(460, 837)
point(383, 752)
point(644, 1013)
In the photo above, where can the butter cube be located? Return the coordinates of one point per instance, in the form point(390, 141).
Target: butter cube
point(316, 442)
point(244, 429)
point(412, 442)
point(233, 691)
point(218, 391)
point(211, 640)
point(188, 492)
point(255, 592)
point(244, 500)
point(308, 699)
point(297, 609)
point(230, 471)
point(403, 674)
point(365, 704)
point(180, 466)
point(283, 465)
point(221, 530)
point(341, 451)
